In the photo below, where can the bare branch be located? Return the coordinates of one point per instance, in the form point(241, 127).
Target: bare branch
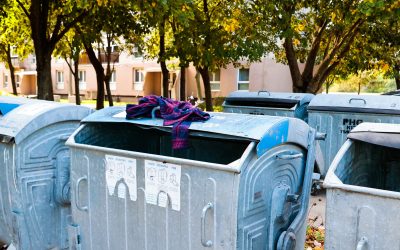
point(23, 8)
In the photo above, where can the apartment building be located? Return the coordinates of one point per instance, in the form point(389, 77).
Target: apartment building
point(134, 76)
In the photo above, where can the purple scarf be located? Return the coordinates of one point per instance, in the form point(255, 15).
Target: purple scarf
point(176, 113)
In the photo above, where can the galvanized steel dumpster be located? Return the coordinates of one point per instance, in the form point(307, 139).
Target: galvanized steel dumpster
point(363, 185)
point(336, 115)
point(268, 103)
point(243, 183)
point(34, 188)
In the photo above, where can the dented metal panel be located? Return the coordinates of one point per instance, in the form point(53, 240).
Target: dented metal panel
point(34, 186)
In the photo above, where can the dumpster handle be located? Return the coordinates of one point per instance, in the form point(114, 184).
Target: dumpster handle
point(264, 91)
point(358, 99)
point(290, 157)
point(204, 242)
point(153, 112)
point(77, 197)
point(362, 243)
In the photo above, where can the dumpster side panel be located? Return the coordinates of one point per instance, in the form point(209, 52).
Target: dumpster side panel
point(373, 217)
point(258, 111)
point(39, 190)
point(337, 125)
point(264, 208)
point(117, 216)
point(7, 152)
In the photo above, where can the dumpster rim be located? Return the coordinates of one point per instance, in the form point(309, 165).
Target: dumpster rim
point(134, 154)
point(333, 182)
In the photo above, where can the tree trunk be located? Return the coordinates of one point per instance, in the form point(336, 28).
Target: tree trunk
point(43, 69)
point(397, 75)
point(161, 56)
point(297, 82)
point(198, 85)
point(108, 72)
point(207, 87)
point(12, 70)
point(183, 84)
point(99, 75)
point(397, 79)
point(76, 81)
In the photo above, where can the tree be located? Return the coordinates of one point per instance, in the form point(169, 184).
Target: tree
point(222, 32)
point(14, 39)
point(70, 48)
point(114, 20)
point(318, 34)
point(49, 21)
point(157, 14)
point(377, 49)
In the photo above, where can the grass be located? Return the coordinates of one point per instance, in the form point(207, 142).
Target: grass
point(93, 102)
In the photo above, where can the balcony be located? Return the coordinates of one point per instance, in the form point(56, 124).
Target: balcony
point(17, 63)
point(27, 64)
point(84, 59)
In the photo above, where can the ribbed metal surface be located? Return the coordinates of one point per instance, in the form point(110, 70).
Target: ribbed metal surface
point(245, 204)
point(34, 202)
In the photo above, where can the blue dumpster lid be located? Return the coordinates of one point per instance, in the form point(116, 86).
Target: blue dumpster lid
point(21, 117)
point(269, 130)
point(8, 103)
point(356, 103)
point(383, 134)
point(267, 99)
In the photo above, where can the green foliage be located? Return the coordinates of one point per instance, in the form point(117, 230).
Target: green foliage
point(217, 104)
point(369, 81)
point(319, 34)
point(14, 32)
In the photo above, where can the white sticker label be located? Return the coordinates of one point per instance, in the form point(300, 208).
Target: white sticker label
point(163, 184)
point(121, 168)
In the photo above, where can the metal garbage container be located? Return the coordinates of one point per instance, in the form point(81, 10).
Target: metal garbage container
point(34, 188)
point(243, 183)
point(336, 115)
point(268, 103)
point(363, 185)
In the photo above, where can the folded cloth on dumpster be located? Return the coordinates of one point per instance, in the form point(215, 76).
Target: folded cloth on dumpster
point(177, 113)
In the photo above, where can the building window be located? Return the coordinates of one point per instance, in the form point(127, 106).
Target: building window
point(60, 79)
point(215, 81)
point(18, 80)
point(114, 48)
point(5, 84)
point(113, 81)
point(243, 79)
point(82, 79)
point(137, 52)
point(13, 51)
point(138, 79)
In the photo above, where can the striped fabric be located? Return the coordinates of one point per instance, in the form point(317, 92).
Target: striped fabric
point(176, 113)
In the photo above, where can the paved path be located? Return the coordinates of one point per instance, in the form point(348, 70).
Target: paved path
point(316, 212)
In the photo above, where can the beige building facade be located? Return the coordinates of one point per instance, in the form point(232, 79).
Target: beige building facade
point(135, 76)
